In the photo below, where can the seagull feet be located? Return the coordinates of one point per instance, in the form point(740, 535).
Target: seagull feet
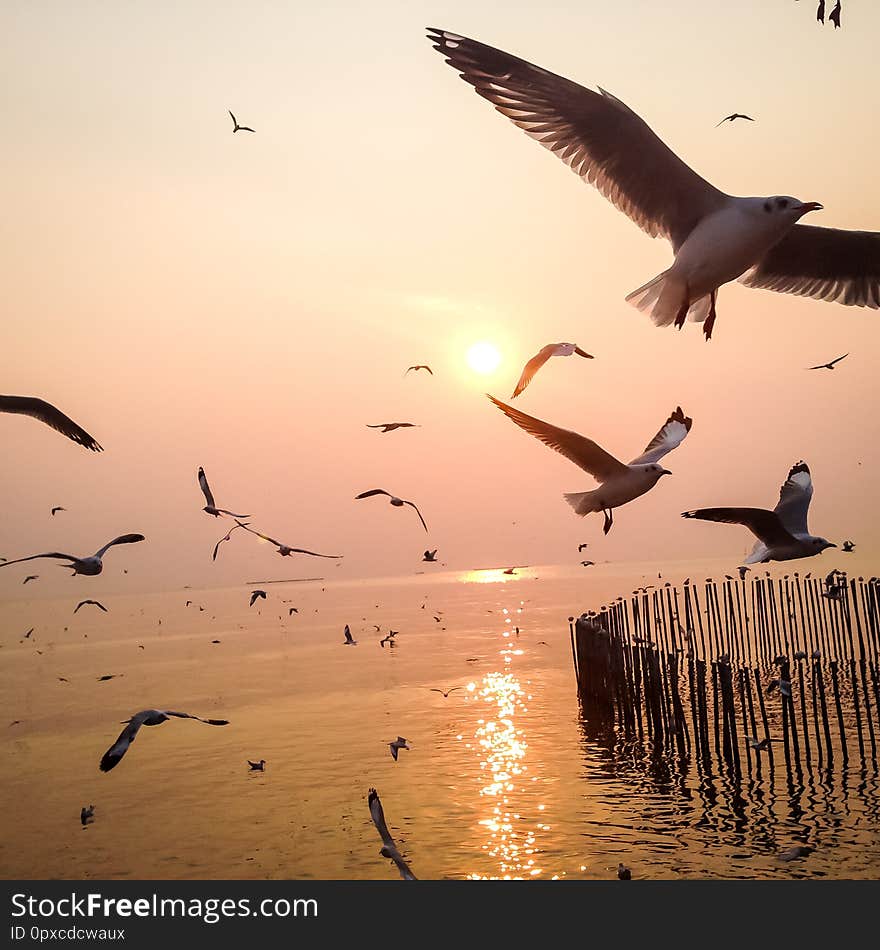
point(681, 316)
point(609, 520)
point(710, 320)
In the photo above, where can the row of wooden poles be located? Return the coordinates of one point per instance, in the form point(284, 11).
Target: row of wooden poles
point(793, 662)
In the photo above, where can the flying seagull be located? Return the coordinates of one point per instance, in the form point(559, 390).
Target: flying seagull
point(834, 16)
point(83, 603)
point(782, 533)
point(56, 509)
point(743, 570)
point(84, 565)
point(87, 814)
point(445, 692)
point(226, 537)
point(398, 744)
point(211, 508)
point(760, 745)
point(430, 555)
point(541, 357)
point(255, 594)
point(582, 546)
point(257, 766)
point(283, 549)
point(716, 237)
point(30, 577)
point(620, 483)
point(391, 426)
point(45, 412)
point(389, 848)
point(147, 717)
point(420, 366)
point(237, 127)
point(292, 610)
point(733, 117)
point(397, 502)
point(848, 547)
point(588, 563)
point(349, 639)
point(831, 364)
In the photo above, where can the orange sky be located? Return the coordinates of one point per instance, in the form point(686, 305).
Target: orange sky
point(248, 303)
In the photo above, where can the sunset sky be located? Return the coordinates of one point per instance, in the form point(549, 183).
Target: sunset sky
point(249, 303)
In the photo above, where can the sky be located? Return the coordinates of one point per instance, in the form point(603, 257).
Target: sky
point(250, 302)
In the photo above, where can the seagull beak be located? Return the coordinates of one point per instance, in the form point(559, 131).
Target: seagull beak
point(811, 206)
point(831, 544)
point(665, 471)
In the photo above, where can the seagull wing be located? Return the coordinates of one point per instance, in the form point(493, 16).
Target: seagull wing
point(47, 413)
point(403, 867)
point(594, 133)
point(585, 453)
point(371, 492)
point(206, 491)
point(231, 514)
point(234, 120)
point(580, 352)
point(670, 436)
point(532, 367)
point(839, 358)
point(822, 263)
point(727, 118)
point(259, 534)
point(122, 539)
point(765, 525)
point(412, 505)
point(245, 128)
point(314, 553)
point(378, 816)
point(112, 756)
point(794, 499)
point(33, 557)
point(210, 722)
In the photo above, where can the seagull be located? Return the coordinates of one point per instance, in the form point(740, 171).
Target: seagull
point(623, 872)
point(84, 603)
point(255, 594)
point(430, 555)
point(831, 364)
point(239, 128)
point(445, 692)
point(283, 549)
point(782, 533)
point(57, 508)
point(848, 547)
point(761, 745)
point(820, 11)
point(30, 577)
point(420, 366)
point(620, 483)
point(398, 744)
point(541, 357)
point(27, 636)
point(798, 851)
point(510, 570)
point(733, 117)
point(716, 237)
point(257, 766)
point(834, 16)
point(227, 536)
point(108, 676)
point(45, 412)
point(147, 717)
point(389, 640)
point(292, 610)
point(349, 639)
point(389, 848)
point(391, 426)
point(743, 570)
point(588, 563)
point(397, 502)
point(582, 546)
point(87, 815)
point(211, 508)
point(84, 565)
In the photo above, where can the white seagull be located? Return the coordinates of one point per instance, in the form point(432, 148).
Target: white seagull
point(397, 502)
point(620, 483)
point(147, 717)
point(283, 549)
point(782, 533)
point(84, 565)
point(716, 237)
point(389, 847)
point(47, 413)
point(541, 357)
point(398, 744)
point(211, 508)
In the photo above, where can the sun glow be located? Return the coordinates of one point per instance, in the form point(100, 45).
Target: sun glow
point(483, 358)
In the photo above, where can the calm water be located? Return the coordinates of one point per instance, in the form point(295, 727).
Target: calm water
point(503, 777)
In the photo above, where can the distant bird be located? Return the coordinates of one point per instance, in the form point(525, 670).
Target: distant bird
point(798, 851)
point(389, 639)
point(213, 641)
point(87, 815)
point(47, 413)
point(820, 11)
point(831, 364)
point(292, 610)
point(349, 639)
point(510, 570)
point(733, 117)
point(237, 127)
point(398, 744)
point(84, 603)
point(773, 684)
point(743, 570)
point(389, 848)
point(227, 536)
point(257, 766)
point(588, 563)
point(582, 546)
point(27, 636)
point(84, 565)
point(623, 872)
point(848, 547)
point(283, 549)
point(397, 502)
point(785, 687)
point(108, 676)
point(761, 745)
point(147, 717)
point(430, 555)
point(716, 237)
point(541, 357)
point(420, 366)
point(800, 655)
point(620, 483)
point(211, 508)
point(57, 508)
point(391, 426)
point(834, 16)
point(782, 533)
point(445, 692)
point(30, 577)
point(255, 594)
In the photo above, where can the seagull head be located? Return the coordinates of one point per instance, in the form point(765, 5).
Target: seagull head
point(654, 472)
point(786, 208)
point(821, 543)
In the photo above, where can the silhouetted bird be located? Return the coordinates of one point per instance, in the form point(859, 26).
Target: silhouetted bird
point(734, 116)
point(147, 717)
point(255, 594)
point(58, 508)
point(398, 744)
point(623, 873)
point(84, 565)
point(94, 603)
point(211, 508)
point(237, 127)
point(87, 814)
point(391, 426)
point(257, 766)
point(430, 555)
point(30, 577)
point(834, 16)
point(848, 547)
point(397, 502)
point(283, 549)
point(541, 357)
point(420, 366)
point(349, 639)
point(389, 847)
point(831, 364)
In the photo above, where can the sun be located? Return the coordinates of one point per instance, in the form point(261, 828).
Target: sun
point(483, 358)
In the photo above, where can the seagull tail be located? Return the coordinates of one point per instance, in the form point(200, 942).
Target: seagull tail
point(584, 502)
point(663, 297)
